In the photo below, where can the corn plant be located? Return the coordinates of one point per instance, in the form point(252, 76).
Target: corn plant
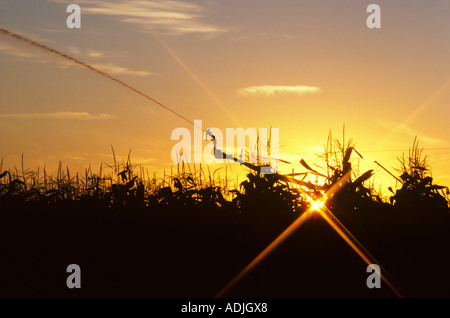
point(337, 162)
point(417, 188)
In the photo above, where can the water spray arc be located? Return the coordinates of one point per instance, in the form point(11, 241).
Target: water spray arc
point(16, 36)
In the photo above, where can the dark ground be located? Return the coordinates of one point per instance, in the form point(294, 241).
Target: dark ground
point(176, 252)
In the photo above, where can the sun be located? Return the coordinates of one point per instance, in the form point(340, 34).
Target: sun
point(316, 205)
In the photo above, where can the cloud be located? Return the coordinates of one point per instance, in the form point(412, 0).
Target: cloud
point(168, 17)
point(273, 90)
point(74, 50)
point(114, 69)
point(9, 49)
point(87, 52)
point(59, 115)
point(94, 53)
point(39, 57)
point(32, 56)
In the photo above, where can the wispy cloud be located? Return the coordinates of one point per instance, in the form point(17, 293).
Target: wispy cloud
point(59, 115)
point(167, 17)
point(11, 50)
point(86, 52)
point(109, 68)
point(273, 90)
point(401, 128)
point(39, 57)
point(95, 53)
point(32, 56)
point(114, 69)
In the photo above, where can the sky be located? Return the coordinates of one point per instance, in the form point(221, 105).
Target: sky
point(304, 67)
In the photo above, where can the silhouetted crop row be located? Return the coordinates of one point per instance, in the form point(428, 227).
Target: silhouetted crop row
point(190, 232)
point(125, 185)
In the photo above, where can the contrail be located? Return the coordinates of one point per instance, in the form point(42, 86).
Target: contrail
point(90, 67)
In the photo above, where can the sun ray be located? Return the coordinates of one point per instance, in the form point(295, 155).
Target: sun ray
point(362, 252)
point(195, 77)
point(317, 206)
point(291, 229)
point(286, 233)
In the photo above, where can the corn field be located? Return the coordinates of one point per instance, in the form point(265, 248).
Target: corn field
point(190, 231)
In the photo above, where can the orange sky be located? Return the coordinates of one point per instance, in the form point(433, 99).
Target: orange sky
point(230, 64)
